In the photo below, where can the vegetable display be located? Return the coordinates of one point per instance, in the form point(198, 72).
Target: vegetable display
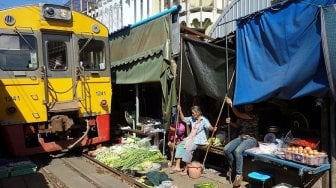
point(134, 155)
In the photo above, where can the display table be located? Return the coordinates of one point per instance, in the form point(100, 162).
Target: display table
point(153, 134)
point(273, 159)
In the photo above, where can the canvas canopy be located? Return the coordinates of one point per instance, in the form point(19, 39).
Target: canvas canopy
point(134, 50)
point(279, 54)
point(143, 55)
point(204, 69)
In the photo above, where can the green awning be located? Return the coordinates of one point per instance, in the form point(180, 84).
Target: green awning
point(143, 55)
point(147, 69)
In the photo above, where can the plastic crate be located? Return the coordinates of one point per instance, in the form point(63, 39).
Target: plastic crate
point(315, 160)
point(3, 162)
point(4, 172)
point(21, 165)
point(22, 172)
point(22, 168)
point(282, 185)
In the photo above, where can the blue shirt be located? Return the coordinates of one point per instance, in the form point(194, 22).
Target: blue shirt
point(202, 131)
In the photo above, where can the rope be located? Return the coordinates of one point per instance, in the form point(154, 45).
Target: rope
point(219, 115)
point(74, 85)
point(172, 158)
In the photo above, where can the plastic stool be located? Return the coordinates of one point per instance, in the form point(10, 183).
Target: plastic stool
point(259, 177)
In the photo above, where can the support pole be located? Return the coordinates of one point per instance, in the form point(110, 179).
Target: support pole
point(172, 158)
point(227, 79)
point(136, 104)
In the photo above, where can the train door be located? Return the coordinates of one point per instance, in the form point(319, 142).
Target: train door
point(59, 83)
point(94, 86)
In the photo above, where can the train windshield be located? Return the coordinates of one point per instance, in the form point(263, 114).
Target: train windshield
point(18, 52)
point(91, 55)
point(57, 51)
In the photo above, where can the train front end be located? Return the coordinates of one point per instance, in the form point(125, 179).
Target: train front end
point(55, 83)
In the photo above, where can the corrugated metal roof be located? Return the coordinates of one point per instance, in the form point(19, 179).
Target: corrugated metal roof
point(226, 23)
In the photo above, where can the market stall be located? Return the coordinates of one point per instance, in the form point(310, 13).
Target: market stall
point(303, 163)
point(285, 65)
point(288, 164)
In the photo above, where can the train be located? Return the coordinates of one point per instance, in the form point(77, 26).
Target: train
point(55, 82)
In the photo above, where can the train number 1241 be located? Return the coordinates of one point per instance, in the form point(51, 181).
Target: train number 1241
point(100, 93)
point(12, 98)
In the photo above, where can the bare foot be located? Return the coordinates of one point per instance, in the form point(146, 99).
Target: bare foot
point(173, 171)
point(177, 169)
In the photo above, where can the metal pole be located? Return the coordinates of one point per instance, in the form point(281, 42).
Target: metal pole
point(332, 143)
point(161, 5)
point(214, 10)
point(227, 78)
point(187, 13)
point(71, 4)
point(201, 11)
point(179, 100)
point(136, 104)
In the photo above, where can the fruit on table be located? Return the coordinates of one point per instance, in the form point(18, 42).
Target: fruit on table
point(304, 151)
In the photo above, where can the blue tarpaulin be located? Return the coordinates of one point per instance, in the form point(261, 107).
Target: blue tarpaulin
point(279, 54)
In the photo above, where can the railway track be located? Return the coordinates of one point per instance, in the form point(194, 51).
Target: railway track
point(121, 175)
point(80, 171)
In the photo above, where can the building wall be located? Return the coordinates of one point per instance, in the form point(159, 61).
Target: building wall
point(202, 11)
point(116, 14)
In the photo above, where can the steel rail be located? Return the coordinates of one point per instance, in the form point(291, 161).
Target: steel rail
point(122, 175)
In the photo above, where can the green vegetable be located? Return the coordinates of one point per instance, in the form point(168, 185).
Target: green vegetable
point(206, 185)
point(128, 157)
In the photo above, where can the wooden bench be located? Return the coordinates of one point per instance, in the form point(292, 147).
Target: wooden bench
point(219, 150)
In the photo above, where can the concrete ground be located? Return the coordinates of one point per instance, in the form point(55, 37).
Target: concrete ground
point(39, 180)
point(206, 177)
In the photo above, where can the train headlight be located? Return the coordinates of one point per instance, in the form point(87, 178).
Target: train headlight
point(11, 110)
point(55, 12)
point(103, 103)
point(50, 11)
point(64, 13)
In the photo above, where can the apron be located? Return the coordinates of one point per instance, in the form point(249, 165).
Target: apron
point(193, 133)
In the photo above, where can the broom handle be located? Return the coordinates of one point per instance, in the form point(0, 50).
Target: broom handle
point(219, 115)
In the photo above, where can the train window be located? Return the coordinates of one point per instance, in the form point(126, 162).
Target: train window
point(91, 56)
point(57, 55)
point(18, 52)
